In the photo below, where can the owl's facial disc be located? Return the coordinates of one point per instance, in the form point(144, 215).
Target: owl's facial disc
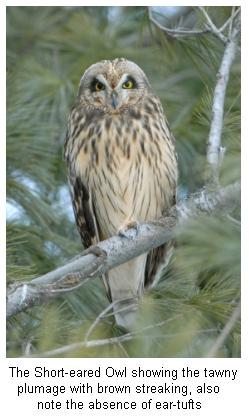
point(114, 94)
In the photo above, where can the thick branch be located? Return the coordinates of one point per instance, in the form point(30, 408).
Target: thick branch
point(214, 150)
point(114, 251)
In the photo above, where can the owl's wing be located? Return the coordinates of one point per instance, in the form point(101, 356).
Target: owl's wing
point(83, 211)
point(79, 191)
point(157, 261)
point(85, 217)
point(83, 208)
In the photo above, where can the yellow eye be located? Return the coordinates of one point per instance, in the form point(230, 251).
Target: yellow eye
point(129, 84)
point(99, 86)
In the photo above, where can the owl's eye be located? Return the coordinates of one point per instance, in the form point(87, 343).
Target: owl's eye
point(99, 86)
point(129, 84)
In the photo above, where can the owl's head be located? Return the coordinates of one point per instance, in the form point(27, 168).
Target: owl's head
point(113, 85)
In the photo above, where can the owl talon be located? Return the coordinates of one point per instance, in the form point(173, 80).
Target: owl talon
point(95, 250)
point(123, 231)
point(101, 257)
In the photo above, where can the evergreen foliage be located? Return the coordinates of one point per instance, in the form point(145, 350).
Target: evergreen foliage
point(48, 49)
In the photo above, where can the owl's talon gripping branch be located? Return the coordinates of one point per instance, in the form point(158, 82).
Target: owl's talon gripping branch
point(101, 258)
point(126, 227)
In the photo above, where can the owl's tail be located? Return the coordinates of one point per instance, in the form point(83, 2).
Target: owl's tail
point(126, 284)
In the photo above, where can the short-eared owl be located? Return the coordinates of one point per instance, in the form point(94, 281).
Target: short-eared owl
point(122, 169)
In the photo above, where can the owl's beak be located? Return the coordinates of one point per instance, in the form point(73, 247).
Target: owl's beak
point(114, 99)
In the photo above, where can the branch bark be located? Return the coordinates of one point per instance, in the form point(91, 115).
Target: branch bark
point(215, 152)
point(115, 251)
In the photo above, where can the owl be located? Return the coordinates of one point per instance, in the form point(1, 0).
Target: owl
point(122, 170)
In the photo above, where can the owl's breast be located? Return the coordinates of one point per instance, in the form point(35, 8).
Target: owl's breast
point(127, 171)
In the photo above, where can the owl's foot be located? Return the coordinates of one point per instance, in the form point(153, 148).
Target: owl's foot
point(123, 230)
point(100, 261)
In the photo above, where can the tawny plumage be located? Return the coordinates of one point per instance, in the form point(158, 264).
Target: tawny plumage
point(122, 168)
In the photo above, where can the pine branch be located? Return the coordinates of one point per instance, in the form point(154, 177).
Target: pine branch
point(230, 20)
point(111, 340)
point(210, 27)
point(176, 33)
point(103, 342)
point(85, 344)
point(225, 332)
point(114, 251)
